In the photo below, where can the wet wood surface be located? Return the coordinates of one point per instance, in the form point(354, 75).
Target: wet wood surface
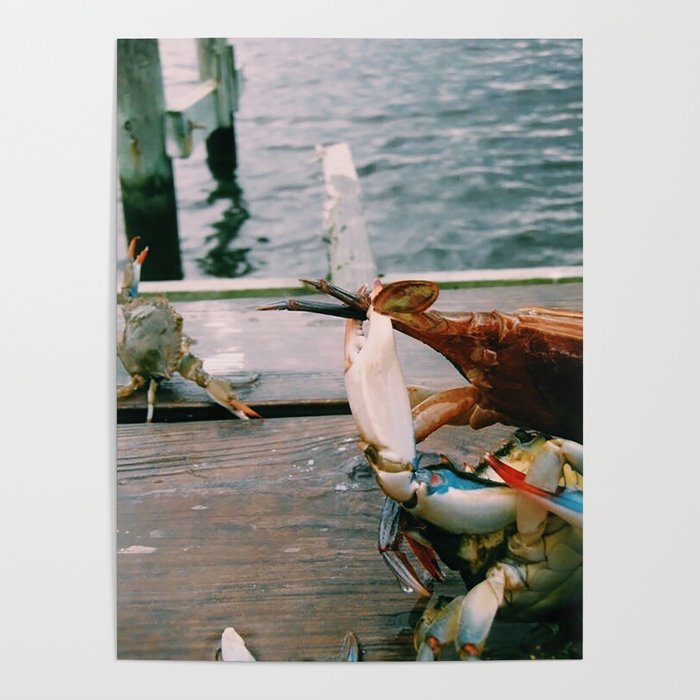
point(270, 526)
point(296, 359)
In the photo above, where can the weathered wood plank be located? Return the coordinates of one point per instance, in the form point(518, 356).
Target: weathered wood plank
point(298, 356)
point(269, 527)
point(351, 260)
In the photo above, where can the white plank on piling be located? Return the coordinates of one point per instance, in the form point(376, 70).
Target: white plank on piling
point(196, 110)
point(210, 104)
point(351, 261)
point(216, 62)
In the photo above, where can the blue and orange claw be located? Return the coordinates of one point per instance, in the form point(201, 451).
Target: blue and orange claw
point(132, 270)
point(566, 503)
point(138, 259)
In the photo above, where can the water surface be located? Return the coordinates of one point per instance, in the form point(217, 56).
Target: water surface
point(469, 154)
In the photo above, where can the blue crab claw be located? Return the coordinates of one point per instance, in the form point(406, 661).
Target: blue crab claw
point(460, 629)
point(436, 631)
point(564, 502)
point(477, 612)
point(379, 401)
point(132, 271)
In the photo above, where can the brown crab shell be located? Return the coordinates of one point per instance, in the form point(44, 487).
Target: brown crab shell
point(527, 365)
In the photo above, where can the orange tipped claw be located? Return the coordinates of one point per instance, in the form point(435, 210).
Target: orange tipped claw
point(237, 406)
point(132, 247)
point(132, 251)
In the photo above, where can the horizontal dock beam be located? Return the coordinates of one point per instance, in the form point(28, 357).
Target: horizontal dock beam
point(242, 286)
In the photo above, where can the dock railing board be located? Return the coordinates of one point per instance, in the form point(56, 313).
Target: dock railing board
point(350, 256)
point(269, 526)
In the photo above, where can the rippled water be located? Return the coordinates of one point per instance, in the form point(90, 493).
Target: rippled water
point(469, 154)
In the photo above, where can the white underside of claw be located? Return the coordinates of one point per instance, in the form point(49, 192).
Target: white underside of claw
point(376, 389)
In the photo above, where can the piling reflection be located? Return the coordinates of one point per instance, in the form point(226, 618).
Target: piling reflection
point(222, 258)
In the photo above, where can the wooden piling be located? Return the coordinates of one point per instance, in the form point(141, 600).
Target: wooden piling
point(216, 63)
point(145, 170)
point(351, 261)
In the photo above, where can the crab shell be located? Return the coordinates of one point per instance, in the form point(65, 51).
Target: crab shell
point(527, 365)
point(152, 342)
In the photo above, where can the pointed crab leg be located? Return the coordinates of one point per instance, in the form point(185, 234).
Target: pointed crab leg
point(191, 367)
point(389, 541)
point(233, 647)
point(566, 503)
point(152, 388)
point(467, 620)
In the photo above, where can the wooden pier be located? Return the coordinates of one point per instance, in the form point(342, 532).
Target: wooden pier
point(269, 526)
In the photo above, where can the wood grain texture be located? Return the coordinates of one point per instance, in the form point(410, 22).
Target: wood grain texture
point(270, 526)
point(267, 526)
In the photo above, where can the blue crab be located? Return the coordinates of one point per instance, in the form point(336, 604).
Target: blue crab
point(512, 526)
point(153, 347)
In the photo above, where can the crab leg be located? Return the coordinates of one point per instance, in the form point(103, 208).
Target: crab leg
point(136, 382)
point(477, 612)
point(467, 620)
point(458, 406)
point(566, 503)
point(438, 631)
point(219, 389)
point(316, 307)
point(152, 388)
point(389, 541)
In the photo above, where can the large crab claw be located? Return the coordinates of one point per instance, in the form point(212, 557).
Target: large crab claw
point(378, 397)
point(381, 407)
